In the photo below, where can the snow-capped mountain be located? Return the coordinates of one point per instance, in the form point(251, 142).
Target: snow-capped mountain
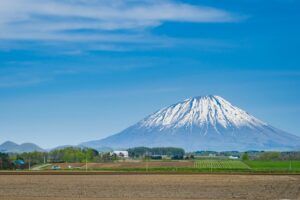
point(201, 112)
point(202, 123)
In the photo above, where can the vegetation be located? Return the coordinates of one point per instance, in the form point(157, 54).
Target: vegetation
point(31, 157)
point(4, 161)
point(220, 164)
point(245, 156)
point(268, 165)
point(73, 154)
point(106, 157)
point(202, 161)
point(269, 156)
point(140, 152)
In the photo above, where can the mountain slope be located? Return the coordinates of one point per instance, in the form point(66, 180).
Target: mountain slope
point(202, 123)
point(11, 147)
point(8, 145)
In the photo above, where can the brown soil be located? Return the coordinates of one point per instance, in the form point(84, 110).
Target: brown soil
point(154, 187)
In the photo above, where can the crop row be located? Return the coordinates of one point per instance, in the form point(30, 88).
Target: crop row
point(220, 164)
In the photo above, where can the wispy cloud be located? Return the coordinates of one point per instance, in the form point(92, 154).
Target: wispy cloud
point(15, 77)
point(97, 20)
point(18, 74)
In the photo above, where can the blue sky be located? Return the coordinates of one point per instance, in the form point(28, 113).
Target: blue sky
point(78, 70)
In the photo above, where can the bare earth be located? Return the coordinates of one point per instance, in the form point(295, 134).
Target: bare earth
point(154, 187)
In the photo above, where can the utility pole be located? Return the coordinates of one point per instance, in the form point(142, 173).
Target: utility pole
point(146, 157)
point(86, 167)
point(290, 161)
point(147, 165)
point(290, 164)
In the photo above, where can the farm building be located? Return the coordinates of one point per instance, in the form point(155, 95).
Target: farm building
point(122, 154)
point(233, 157)
point(20, 162)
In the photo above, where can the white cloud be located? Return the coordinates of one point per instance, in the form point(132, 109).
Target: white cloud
point(97, 20)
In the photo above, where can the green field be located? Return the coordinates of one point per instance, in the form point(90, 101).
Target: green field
point(255, 166)
point(221, 164)
point(261, 165)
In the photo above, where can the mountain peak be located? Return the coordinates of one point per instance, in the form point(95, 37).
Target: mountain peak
point(202, 123)
point(12, 147)
point(207, 97)
point(202, 112)
point(9, 143)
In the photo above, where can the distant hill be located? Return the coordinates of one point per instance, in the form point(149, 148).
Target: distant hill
point(100, 149)
point(11, 147)
point(63, 147)
point(202, 123)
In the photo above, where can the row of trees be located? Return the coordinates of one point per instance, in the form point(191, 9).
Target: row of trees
point(72, 154)
point(278, 156)
point(141, 152)
point(68, 154)
point(5, 161)
point(271, 155)
point(76, 154)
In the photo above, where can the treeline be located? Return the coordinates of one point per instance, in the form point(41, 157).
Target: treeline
point(68, 154)
point(252, 155)
point(73, 154)
point(30, 157)
point(273, 155)
point(142, 152)
point(222, 153)
point(77, 154)
point(5, 161)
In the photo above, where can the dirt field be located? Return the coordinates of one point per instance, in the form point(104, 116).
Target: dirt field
point(154, 187)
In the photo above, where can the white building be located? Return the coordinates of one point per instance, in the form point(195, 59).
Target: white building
point(233, 157)
point(122, 154)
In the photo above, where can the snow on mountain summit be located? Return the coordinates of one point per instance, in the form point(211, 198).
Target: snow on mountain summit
point(201, 112)
point(201, 123)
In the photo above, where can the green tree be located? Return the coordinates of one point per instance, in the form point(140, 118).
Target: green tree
point(73, 154)
point(141, 152)
point(245, 156)
point(269, 156)
point(4, 161)
point(33, 157)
